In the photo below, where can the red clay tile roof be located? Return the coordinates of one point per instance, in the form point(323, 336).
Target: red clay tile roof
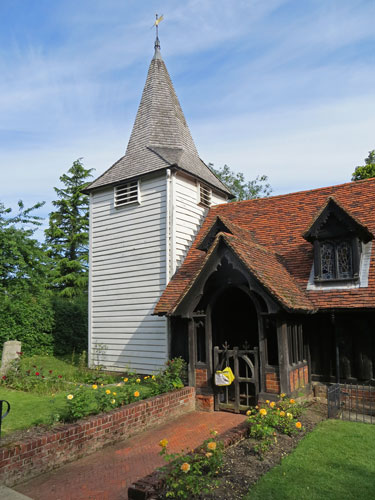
point(276, 225)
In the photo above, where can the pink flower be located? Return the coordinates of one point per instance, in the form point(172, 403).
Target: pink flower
point(37, 374)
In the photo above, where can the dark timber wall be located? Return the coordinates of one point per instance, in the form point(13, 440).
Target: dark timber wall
point(356, 340)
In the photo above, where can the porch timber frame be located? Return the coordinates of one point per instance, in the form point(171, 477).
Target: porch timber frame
point(188, 306)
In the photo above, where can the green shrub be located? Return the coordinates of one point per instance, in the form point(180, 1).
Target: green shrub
point(84, 400)
point(27, 317)
point(193, 474)
point(171, 377)
point(268, 419)
point(70, 332)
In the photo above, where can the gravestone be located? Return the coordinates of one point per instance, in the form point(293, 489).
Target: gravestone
point(11, 350)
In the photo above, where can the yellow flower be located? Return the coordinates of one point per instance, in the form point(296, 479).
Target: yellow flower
point(211, 445)
point(136, 394)
point(94, 386)
point(153, 377)
point(138, 380)
point(291, 401)
point(257, 407)
point(282, 395)
point(126, 379)
point(101, 385)
point(248, 412)
point(263, 412)
point(208, 454)
point(114, 393)
point(113, 401)
point(267, 401)
point(282, 414)
point(145, 378)
point(298, 425)
point(185, 467)
point(272, 404)
point(119, 384)
point(108, 391)
point(163, 443)
point(70, 396)
point(289, 415)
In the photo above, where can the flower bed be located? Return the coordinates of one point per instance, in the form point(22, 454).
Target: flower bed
point(26, 459)
point(83, 399)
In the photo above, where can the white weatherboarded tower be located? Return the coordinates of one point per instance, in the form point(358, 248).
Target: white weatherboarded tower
point(144, 214)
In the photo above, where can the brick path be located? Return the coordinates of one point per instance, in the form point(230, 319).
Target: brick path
point(106, 474)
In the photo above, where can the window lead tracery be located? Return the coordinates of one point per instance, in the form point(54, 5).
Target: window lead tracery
point(344, 260)
point(327, 260)
point(336, 260)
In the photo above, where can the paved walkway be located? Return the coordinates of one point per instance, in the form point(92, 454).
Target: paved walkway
point(107, 474)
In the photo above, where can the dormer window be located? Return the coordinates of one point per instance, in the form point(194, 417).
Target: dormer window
point(126, 194)
point(338, 238)
point(205, 194)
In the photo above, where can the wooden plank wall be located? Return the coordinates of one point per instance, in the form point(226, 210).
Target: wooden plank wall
point(128, 266)
point(189, 215)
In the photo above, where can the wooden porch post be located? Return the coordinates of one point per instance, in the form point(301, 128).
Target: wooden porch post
point(209, 345)
point(192, 352)
point(337, 348)
point(282, 343)
point(262, 352)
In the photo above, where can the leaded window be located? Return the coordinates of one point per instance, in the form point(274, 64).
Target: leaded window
point(336, 260)
point(344, 260)
point(327, 259)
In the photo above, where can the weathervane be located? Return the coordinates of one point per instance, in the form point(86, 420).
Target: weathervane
point(156, 24)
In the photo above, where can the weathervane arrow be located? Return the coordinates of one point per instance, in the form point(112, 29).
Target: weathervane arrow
point(156, 24)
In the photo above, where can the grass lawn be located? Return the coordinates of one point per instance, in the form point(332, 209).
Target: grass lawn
point(28, 409)
point(335, 461)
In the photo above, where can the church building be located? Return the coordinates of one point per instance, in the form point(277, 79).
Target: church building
point(281, 289)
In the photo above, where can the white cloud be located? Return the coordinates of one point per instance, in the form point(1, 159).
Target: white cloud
point(277, 87)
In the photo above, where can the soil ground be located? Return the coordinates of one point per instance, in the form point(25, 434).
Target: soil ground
point(242, 466)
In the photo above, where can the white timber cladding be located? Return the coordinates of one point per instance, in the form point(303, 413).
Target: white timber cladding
point(128, 272)
point(188, 213)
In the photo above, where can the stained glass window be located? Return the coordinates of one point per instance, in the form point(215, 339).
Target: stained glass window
point(336, 260)
point(327, 260)
point(344, 260)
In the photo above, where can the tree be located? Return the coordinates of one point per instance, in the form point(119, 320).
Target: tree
point(365, 171)
point(242, 189)
point(67, 235)
point(25, 308)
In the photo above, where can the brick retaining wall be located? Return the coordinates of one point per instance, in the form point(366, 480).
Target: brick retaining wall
point(23, 460)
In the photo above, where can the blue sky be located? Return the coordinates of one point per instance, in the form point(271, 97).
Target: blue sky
point(282, 88)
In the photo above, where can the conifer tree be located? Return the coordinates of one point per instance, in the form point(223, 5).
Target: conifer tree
point(67, 235)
